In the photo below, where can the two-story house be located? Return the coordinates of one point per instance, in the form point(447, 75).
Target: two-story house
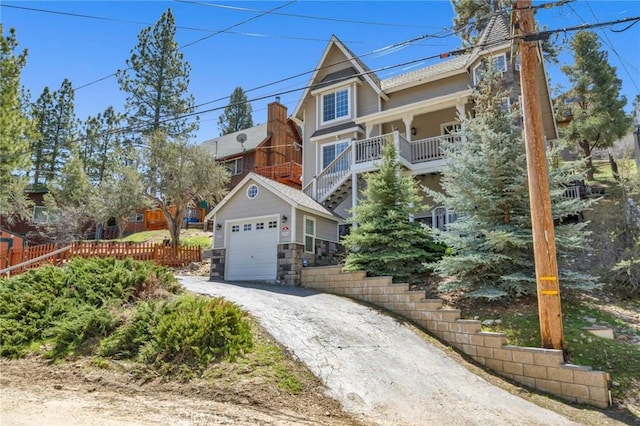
point(347, 114)
point(267, 231)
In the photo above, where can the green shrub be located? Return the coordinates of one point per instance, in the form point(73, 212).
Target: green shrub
point(197, 331)
point(52, 302)
point(126, 341)
point(71, 332)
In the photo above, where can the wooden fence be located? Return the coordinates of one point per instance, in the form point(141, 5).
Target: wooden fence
point(57, 254)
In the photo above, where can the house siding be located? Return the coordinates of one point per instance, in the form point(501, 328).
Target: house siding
point(241, 207)
point(367, 102)
point(325, 229)
point(430, 90)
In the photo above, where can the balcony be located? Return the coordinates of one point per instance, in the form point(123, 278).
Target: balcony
point(419, 156)
point(287, 173)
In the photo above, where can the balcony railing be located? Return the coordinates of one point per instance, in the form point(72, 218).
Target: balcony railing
point(368, 150)
point(290, 171)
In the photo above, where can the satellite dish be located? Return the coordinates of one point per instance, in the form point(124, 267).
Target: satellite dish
point(241, 137)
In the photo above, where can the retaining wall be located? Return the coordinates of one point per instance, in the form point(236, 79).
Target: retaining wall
point(542, 369)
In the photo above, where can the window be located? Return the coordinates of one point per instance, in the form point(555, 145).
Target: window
point(40, 214)
point(273, 224)
point(517, 64)
point(234, 166)
point(252, 191)
point(259, 225)
point(136, 218)
point(331, 151)
point(335, 105)
point(247, 227)
point(235, 228)
point(506, 103)
point(309, 234)
point(499, 63)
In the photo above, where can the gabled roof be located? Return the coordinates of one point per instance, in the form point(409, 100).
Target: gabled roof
point(362, 70)
point(496, 34)
point(292, 196)
point(423, 74)
point(228, 145)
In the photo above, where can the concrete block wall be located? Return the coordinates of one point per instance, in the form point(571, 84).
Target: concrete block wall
point(542, 369)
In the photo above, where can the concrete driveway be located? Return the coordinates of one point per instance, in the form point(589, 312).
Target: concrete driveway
point(380, 370)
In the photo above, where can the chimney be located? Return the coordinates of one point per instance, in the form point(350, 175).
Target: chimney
point(277, 129)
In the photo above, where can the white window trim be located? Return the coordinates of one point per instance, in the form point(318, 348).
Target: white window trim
point(305, 235)
point(493, 59)
point(322, 146)
point(253, 185)
point(337, 119)
point(450, 123)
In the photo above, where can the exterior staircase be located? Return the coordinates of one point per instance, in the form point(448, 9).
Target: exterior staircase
point(334, 184)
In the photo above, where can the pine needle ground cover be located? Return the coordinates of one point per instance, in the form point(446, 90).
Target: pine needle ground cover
point(118, 309)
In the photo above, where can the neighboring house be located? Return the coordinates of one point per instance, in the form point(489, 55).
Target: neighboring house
point(348, 113)
point(267, 231)
point(29, 228)
point(8, 240)
point(273, 149)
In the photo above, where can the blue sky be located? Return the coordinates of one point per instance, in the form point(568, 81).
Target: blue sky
point(268, 48)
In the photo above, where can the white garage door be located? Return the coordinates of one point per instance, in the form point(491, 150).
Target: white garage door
point(252, 251)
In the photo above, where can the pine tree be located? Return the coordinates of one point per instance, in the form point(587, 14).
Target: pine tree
point(56, 124)
point(72, 204)
point(598, 117)
point(104, 148)
point(472, 16)
point(156, 82)
point(237, 115)
point(485, 183)
point(16, 129)
point(386, 241)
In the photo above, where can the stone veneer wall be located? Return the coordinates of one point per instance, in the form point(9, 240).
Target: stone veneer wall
point(542, 369)
point(217, 264)
point(290, 258)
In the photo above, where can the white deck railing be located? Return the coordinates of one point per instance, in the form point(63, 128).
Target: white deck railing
point(368, 150)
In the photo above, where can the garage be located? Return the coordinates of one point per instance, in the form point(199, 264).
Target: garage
point(252, 249)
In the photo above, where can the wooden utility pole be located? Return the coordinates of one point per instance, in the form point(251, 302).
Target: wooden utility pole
point(544, 245)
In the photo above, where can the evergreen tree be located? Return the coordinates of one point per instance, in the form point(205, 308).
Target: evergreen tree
point(15, 130)
point(156, 82)
point(485, 184)
point(386, 241)
point(598, 117)
point(56, 125)
point(178, 175)
point(104, 147)
point(237, 115)
point(472, 16)
point(72, 204)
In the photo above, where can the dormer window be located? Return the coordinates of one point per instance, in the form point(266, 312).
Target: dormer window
point(499, 63)
point(335, 105)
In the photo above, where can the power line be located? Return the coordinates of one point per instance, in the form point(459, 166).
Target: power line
point(291, 15)
point(200, 39)
point(611, 46)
